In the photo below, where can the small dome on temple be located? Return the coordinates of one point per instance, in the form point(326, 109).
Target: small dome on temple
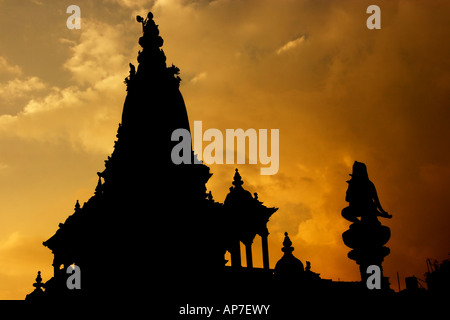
point(288, 267)
point(237, 194)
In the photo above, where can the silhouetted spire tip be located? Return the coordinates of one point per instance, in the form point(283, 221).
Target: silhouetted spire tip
point(38, 284)
point(77, 206)
point(237, 179)
point(287, 244)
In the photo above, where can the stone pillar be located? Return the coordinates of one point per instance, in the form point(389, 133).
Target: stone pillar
point(248, 254)
point(265, 250)
point(236, 255)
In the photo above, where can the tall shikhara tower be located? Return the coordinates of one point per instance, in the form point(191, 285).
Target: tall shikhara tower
point(146, 222)
point(150, 226)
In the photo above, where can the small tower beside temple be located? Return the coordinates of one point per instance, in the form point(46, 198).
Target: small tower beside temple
point(247, 217)
point(288, 268)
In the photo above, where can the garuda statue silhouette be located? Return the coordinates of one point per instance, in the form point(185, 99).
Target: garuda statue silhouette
point(362, 197)
point(366, 236)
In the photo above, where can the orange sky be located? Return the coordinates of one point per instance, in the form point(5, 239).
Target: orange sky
point(337, 92)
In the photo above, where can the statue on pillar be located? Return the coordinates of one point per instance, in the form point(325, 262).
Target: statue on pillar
point(366, 236)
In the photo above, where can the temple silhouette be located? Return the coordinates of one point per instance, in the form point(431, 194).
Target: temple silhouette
point(149, 216)
point(153, 232)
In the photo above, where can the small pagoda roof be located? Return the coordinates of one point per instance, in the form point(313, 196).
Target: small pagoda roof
point(246, 211)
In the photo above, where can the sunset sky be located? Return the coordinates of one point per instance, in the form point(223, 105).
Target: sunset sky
point(337, 92)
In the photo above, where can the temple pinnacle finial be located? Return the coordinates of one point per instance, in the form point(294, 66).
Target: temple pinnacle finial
point(144, 22)
point(38, 284)
point(287, 244)
point(237, 179)
point(38, 293)
point(77, 206)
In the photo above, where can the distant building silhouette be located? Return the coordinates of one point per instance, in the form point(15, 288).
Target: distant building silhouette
point(438, 278)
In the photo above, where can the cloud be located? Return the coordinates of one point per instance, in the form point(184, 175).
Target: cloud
point(19, 252)
point(135, 3)
point(7, 68)
point(98, 54)
point(15, 92)
point(18, 88)
point(78, 115)
point(21, 257)
point(198, 77)
point(3, 166)
point(80, 118)
point(291, 45)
